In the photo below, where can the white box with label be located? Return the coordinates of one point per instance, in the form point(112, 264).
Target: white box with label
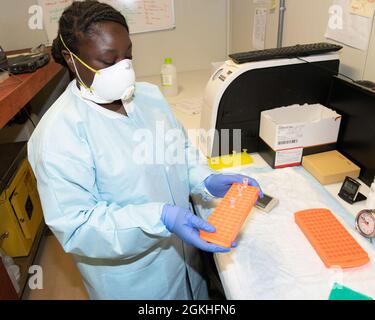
point(288, 132)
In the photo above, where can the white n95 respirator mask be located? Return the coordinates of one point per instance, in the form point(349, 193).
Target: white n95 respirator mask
point(116, 82)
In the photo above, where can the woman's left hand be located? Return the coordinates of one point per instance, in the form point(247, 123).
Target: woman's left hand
point(219, 184)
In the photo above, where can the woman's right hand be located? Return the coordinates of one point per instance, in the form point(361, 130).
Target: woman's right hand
point(186, 226)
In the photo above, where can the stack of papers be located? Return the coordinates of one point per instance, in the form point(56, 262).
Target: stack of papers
point(189, 106)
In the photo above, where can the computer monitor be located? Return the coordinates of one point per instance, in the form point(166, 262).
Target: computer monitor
point(356, 139)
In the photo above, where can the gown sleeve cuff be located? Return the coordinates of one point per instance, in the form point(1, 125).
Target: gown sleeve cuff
point(203, 191)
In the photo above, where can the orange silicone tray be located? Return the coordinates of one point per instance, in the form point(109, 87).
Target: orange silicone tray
point(332, 242)
point(231, 213)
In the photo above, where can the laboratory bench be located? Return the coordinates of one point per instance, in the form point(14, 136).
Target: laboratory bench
point(274, 260)
point(17, 91)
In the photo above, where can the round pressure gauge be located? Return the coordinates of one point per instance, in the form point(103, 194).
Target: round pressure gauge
point(365, 223)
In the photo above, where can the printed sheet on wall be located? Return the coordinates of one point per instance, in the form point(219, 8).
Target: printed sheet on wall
point(350, 22)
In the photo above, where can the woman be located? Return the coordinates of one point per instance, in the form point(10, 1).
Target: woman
point(126, 222)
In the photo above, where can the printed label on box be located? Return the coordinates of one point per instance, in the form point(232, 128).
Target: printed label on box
point(289, 136)
point(288, 157)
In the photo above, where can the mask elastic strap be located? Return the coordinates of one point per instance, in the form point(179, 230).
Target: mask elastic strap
point(79, 59)
point(79, 78)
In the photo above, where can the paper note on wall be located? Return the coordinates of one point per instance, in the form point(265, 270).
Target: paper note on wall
point(350, 29)
point(259, 30)
point(365, 8)
point(273, 5)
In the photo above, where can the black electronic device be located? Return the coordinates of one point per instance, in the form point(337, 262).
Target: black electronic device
point(248, 89)
point(356, 140)
point(267, 203)
point(285, 52)
point(367, 84)
point(27, 63)
point(350, 191)
point(3, 60)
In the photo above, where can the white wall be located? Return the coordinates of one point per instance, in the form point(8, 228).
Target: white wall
point(242, 20)
point(14, 31)
point(198, 40)
point(305, 22)
point(200, 36)
point(241, 25)
point(370, 63)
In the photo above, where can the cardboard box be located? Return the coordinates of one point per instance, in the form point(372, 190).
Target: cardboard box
point(288, 133)
point(330, 167)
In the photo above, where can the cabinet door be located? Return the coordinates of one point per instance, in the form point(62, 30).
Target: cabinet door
point(26, 204)
point(7, 291)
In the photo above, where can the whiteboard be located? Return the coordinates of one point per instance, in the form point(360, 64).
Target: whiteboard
point(52, 11)
point(146, 15)
point(141, 15)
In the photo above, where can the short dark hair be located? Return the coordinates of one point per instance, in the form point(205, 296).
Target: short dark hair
point(77, 21)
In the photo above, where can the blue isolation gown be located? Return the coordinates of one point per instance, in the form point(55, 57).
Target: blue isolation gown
point(104, 205)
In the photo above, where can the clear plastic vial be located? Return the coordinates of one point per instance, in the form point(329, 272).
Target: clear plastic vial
point(169, 84)
point(239, 190)
point(245, 182)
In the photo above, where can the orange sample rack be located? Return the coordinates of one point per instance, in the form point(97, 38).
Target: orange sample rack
point(231, 213)
point(332, 242)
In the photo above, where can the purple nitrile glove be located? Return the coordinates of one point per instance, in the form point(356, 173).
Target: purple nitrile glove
point(186, 226)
